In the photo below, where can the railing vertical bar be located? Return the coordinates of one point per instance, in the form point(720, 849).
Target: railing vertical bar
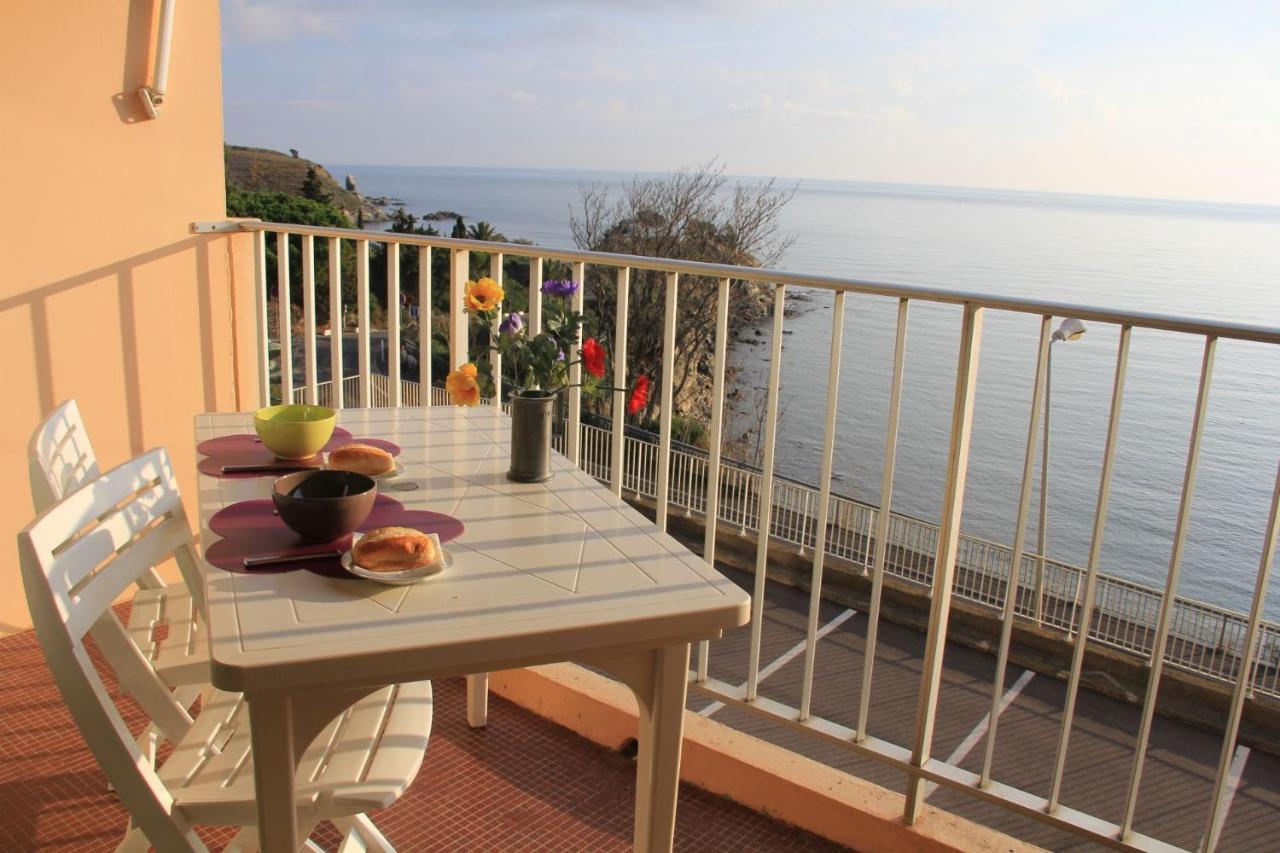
point(1244, 678)
point(424, 324)
point(945, 561)
point(263, 333)
point(535, 296)
point(284, 316)
point(335, 324)
point(363, 321)
point(393, 323)
point(573, 448)
point(459, 270)
point(1042, 518)
point(668, 398)
point(1084, 614)
point(616, 473)
point(765, 514)
point(1019, 545)
point(883, 518)
point(824, 503)
point(711, 515)
point(309, 317)
point(495, 357)
point(1170, 587)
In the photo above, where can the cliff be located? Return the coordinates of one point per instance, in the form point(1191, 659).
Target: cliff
point(274, 171)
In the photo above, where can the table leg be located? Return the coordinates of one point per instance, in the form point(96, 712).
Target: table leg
point(478, 700)
point(274, 765)
point(660, 737)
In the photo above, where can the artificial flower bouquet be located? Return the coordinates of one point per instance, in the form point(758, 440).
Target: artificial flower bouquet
point(534, 365)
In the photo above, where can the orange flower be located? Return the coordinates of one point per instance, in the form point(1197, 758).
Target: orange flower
point(483, 295)
point(462, 386)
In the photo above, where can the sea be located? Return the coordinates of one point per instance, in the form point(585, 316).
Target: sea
point(1194, 259)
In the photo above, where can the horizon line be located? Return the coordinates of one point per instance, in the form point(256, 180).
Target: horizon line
point(1160, 200)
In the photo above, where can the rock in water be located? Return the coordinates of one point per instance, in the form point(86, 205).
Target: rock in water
point(351, 183)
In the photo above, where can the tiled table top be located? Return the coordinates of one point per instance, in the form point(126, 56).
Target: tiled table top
point(541, 568)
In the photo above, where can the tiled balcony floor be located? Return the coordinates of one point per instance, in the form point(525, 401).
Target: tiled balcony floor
point(520, 784)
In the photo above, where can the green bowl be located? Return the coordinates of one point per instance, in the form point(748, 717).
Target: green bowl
point(294, 432)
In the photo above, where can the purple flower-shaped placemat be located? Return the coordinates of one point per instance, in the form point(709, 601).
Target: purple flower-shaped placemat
point(248, 441)
point(245, 449)
point(251, 529)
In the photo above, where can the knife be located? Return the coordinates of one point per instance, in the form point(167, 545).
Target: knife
point(263, 561)
point(269, 466)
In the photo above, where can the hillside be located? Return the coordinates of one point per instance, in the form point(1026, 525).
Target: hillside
point(275, 171)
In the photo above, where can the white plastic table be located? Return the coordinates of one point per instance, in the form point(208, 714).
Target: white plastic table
point(558, 571)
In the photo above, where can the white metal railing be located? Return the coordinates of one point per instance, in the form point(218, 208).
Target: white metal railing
point(1089, 605)
point(1203, 638)
point(379, 393)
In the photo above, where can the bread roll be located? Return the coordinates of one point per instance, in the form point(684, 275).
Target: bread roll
point(395, 549)
point(362, 459)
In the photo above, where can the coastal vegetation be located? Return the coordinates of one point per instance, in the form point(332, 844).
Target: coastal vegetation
point(264, 170)
point(692, 214)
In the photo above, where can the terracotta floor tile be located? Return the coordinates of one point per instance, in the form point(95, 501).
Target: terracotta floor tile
point(519, 784)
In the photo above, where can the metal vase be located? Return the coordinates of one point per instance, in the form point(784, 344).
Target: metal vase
point(531, 438)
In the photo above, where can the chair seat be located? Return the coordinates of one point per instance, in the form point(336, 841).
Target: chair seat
point(364, 759)
point(181, 653)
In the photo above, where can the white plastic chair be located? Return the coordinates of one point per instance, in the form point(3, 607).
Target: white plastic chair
point(61, 460)
point(76, 558)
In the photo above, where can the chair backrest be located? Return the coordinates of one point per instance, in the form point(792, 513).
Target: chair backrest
point(60, 456)
point(76, 558)
point(60, 459)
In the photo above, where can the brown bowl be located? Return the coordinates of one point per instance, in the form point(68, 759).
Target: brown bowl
point(324, 505)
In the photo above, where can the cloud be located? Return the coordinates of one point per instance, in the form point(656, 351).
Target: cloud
point(262, 20)
point(822, 112)
point(1053, 85)
point(522, 98)
point(997, 92)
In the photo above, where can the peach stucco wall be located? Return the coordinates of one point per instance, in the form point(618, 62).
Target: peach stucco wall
point(105, 295)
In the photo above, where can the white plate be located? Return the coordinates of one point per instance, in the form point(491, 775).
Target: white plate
point(398, 578)
point(385, 475)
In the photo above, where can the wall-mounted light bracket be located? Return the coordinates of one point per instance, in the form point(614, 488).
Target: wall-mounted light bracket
point(151, 101)
point(152, 96)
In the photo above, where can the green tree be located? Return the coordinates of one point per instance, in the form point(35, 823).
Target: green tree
point(459, 228)
point(295, 210)
point(404, 222)
point(484, 231)
point(313, 188)
point(283, 207)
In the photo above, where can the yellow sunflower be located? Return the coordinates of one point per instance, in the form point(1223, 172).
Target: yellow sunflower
point(483, 295)
point(462, 386)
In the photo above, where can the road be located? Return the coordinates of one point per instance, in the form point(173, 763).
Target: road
point(1181, 760)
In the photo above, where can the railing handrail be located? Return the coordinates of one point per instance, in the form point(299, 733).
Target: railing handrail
point(1197, 610)
point(1140, 319)
point(1027, 557)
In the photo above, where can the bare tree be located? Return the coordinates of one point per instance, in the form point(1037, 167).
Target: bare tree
point(690, 214)
point(747, 414)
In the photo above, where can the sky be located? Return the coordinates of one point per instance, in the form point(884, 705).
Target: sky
point(1167, 100)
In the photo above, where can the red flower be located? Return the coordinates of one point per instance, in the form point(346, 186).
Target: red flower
point(639, 395)
point(593, 357)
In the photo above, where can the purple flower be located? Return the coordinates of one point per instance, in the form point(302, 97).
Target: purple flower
point(512, 324)
point(564, 288)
